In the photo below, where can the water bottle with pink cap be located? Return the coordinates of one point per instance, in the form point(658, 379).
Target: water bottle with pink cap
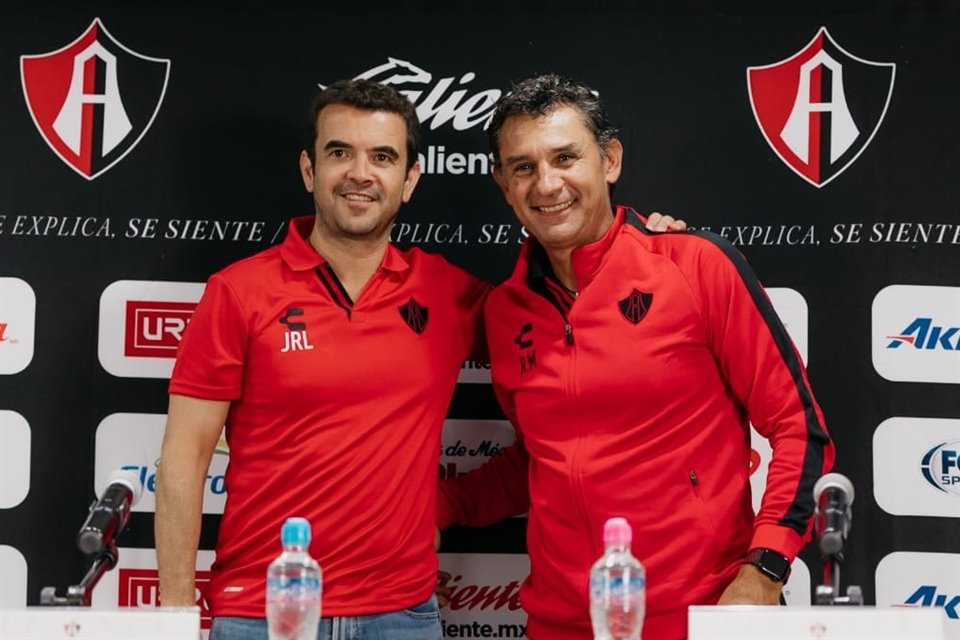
point(617, 586)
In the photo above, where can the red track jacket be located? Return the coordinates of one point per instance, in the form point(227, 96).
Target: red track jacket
point(633, 400)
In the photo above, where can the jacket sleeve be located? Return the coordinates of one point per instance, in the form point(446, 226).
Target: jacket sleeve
point(495, 490)
point(764, 370)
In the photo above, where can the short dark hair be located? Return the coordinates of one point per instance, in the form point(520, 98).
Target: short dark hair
point(538, 96)
point(369, 96)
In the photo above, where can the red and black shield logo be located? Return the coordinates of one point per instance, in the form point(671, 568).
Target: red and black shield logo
point(93, 99)
point(635, 306)
point(415, 315)
point(821, 107)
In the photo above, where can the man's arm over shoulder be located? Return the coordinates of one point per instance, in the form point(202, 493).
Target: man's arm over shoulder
point(192, 431)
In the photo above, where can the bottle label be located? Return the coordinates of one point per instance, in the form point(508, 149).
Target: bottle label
point(293, 582)
point(617, 586)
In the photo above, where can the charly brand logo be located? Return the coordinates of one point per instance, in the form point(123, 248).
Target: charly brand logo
point(295, 338)
point(93, 99)
point(821, 107)
point(524, 342)
point(941, 467)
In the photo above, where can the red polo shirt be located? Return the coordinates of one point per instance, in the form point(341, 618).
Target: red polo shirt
point(336, 413)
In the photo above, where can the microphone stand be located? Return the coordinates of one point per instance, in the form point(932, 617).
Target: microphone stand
point(79, 595)
point(828, 593)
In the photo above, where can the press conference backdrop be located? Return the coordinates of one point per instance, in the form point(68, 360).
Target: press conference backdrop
point(145, 147)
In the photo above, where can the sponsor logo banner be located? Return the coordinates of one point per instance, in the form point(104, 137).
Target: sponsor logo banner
point(133, 441)
point(819, 108)
point(134, 582)
point(475, 372)
point(141, 324)
point(467, 444)
point(14, 459)
point(916, 467)
point(908, 579)
point(485, 598)
point(93, 99)
point(916, 333)
point(13, 578)
point(18, 309)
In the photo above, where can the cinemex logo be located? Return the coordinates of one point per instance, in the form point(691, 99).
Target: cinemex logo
point(94, 99)
point(141, 324)
point(18, 308)
point(154, 328)
point(141, 588)
point(916, 333)
point(941, 467)
point(819, 108)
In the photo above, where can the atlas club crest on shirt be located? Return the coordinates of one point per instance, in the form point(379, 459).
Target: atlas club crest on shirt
point(93, 99)
point(819, 108)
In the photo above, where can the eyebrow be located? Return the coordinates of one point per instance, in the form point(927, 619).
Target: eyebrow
point(573, 147)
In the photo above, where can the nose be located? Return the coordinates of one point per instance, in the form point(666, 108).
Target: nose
point(359, 169)
point(548, 180)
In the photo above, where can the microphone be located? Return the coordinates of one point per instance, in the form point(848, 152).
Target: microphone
point(833, 494)
point(109, 515)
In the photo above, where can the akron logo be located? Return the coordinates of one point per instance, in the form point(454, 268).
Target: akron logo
point(93, 99)
point(821, 107)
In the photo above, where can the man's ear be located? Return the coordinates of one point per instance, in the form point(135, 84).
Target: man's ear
point(306, 171)
point(613, 159)
point(499, 179)
point(410, 182)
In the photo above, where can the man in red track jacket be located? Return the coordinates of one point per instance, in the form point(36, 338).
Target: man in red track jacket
point(630, 363)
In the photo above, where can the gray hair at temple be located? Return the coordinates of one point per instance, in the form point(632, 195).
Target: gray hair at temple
point(538, 96)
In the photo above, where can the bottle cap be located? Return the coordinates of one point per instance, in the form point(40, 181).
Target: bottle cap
point(295, 531)
point(617, 531)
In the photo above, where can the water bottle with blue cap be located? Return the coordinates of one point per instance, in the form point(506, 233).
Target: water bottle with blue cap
point(294, 586)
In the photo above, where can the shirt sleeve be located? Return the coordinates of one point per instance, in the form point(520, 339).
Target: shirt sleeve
point(495, 490)
point(211, 355)
point(471, 292)
point(762, 366)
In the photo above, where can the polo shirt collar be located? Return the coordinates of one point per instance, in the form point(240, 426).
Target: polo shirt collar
point(300, 255)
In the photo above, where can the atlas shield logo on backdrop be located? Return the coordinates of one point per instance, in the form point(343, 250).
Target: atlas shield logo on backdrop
point(93, 99)
point(916, 333)
point(915, 467)
point(141, 325)
point(820, 108)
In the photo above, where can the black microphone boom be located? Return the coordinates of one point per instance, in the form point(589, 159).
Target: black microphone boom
point(110, 513)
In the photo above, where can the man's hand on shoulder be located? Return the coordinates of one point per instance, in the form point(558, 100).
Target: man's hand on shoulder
point(659, 222)
point(751, 587)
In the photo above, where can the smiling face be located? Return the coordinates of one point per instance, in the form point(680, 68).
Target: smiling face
point(556, 177)
point(359, 179)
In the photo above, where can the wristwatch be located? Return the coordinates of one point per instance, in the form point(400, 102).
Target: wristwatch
point(771, 564)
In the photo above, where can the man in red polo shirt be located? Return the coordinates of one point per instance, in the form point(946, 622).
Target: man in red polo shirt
point(331, 359)
point(629, 363)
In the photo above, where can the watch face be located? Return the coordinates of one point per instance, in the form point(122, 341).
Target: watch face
point(771, 563)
